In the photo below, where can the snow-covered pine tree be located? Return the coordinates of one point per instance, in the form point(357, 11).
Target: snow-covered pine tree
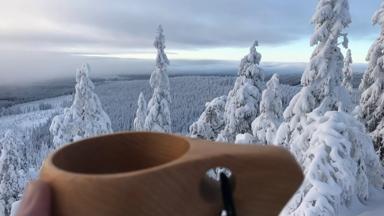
point(243, 100)
point(322, 78)
point(13, 171)
point(372, 99)
point(340, 166)
point(159, 117)
point(264, 127)
point(211, 121)
point(347, 71)
point(138, 122)
point(375, 52)
point(85, 118)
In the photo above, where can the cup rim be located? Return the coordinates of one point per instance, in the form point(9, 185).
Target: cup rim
point(50, 164)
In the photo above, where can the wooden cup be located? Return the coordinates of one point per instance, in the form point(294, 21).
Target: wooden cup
point(154, 174)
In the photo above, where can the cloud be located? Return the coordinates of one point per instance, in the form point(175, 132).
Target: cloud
point(188, 23)
point(47, 39)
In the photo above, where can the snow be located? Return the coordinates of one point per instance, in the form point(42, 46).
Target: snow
point(139, 121)
point(265, 126)
point(333, 148)
point(159, 115)
point(324, 71)
point(13, 169)
point(347, 71)
point(119, 99)
point(85, 117)
point(374, 207)
point(27, 120)
point(337, 144)
point(242, 105)
point(211, 121)
point(374, 52)
point(245, 139)
point(322, 78)
point(31, 128)
point(339, 163)
point(44, 104)
point(190, 94)
point(372, 99)
point(15, 207)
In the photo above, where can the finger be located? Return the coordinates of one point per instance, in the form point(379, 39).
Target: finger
point(36, 200)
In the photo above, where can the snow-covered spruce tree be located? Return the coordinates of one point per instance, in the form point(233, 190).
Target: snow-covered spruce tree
point(340, 165)
point(347, 71)
point(85, 118)
point(13, 171)
point(336, 155)
point(138, 122)
point(323, 76)
point(375, 52)
point(243, 100)
point(372, 108)
point(264, 127)
point(159, 116)
point(211, 121)
point(372, 99)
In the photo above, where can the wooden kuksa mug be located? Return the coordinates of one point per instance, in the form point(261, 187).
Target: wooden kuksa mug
point(154, 174)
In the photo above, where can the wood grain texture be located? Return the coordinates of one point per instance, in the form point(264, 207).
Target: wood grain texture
point(154, 174)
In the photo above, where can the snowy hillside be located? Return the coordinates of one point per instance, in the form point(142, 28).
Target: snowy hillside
point(38, 105)
point(188, 95)
point(119, 100)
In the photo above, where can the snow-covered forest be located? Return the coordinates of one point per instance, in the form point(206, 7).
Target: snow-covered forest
point(333, 127)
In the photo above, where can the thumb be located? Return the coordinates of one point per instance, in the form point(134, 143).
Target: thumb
point(36, 200)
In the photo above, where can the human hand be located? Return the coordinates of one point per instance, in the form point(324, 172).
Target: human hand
point(36, 200)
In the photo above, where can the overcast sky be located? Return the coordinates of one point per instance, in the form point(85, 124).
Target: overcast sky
point(49, 38)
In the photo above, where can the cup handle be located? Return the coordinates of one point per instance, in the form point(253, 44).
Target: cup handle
point(265, 177)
